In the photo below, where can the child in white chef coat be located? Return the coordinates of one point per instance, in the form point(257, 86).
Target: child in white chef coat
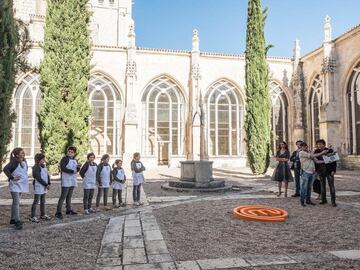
point(137, 169)
point(69, 168)
point(118, 185)
point(88, 174)
point(17, 172)
point(41, 184)
point(104, 178)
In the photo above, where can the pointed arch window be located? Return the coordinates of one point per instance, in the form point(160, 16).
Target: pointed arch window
point(163, 119)
point(27, 104)
point(314, 105)
point(106, 104)
point(353, 98)
point(279, 115)
point(225, 119)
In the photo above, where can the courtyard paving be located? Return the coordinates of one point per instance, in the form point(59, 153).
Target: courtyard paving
point(186, 231)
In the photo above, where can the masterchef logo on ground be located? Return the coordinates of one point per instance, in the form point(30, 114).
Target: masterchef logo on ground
point(260, 213)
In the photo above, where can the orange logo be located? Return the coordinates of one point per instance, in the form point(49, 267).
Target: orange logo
point(260, 213)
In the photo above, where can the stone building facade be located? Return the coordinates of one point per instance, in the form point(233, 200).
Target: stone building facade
point(147, 99)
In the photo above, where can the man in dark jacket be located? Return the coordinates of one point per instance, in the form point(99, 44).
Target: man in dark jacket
point(297, 168)
point(326, 172)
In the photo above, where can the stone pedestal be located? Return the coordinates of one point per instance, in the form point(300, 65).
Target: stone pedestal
point(199, 172)
point(196, 175)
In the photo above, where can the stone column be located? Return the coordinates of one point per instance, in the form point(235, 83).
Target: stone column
point(329, 119)
point(195, 100)
point(297, 85)
point(131, 138)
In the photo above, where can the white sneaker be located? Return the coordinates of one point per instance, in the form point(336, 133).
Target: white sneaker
point(45, 217)
point(116, 206)
point(34, 219)
point(87, 212)
point(91, 210)
point(136, 203)
point(141, 203)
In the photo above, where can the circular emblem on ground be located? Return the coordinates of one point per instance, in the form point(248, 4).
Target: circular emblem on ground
point(260, 213)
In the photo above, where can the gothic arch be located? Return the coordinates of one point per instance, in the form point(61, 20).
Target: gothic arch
point(163, 119)
point(314, 102)
point(225, 109)
point(237, 87)
point(352, 109)
point(106, 102)
point(27, 99)
point(170, 77)
point(280, 115)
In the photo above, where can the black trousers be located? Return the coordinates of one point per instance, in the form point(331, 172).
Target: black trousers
point(136, 193)
point(116, 193)
point(66, 193)
point(99, 195)
point(37, 198)
point(88, 196)
point(297, 174)
point(330, 180)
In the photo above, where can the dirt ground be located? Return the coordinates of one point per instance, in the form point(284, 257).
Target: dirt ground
point(74, 247)
point(188, 228)
point(333, 265)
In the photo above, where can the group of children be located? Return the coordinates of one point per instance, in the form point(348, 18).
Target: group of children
point(102, 176)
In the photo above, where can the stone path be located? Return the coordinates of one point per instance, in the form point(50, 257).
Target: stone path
point(135, 242)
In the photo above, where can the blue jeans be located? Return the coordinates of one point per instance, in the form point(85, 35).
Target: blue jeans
point(306, 184)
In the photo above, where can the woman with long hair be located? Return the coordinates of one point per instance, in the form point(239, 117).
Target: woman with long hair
point(282, 172)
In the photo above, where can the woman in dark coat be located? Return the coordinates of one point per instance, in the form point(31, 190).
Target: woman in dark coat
point(282, 172)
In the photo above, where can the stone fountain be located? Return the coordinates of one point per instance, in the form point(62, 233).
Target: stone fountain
point(197, 171)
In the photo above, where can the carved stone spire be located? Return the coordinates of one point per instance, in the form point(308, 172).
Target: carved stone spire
point(297, 55)
point(297, 49)
point(131, 52)
point(327, 29)
point(131, 35)
point(195, 41)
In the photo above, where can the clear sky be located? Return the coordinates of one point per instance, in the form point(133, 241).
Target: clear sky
point(222, 23)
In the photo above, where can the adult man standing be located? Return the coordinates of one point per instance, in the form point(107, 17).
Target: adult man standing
point(297, 168)
point(308, 170)
point(326, 172)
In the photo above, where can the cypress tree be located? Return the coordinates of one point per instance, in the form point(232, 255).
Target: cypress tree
point(65, 72)
point(257, 124)
point(9, 39)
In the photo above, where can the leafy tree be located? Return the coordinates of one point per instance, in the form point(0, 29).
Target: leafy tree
point(13, 47)
point(258, 108)
point(65, 72)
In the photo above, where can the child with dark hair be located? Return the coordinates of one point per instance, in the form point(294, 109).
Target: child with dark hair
point(118, 185)
point(88, 173)
point(104, 178)
point(17, 173)
point(137, 169)
point(69, 168)
point(41, 185)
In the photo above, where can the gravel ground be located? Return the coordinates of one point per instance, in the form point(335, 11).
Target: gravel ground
point(153, 189)
point(334, 265)
point(74, 246)
point(25, 211)
point(187, 228)
point(349, 199)
point(54, 192)
point(347, 182)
